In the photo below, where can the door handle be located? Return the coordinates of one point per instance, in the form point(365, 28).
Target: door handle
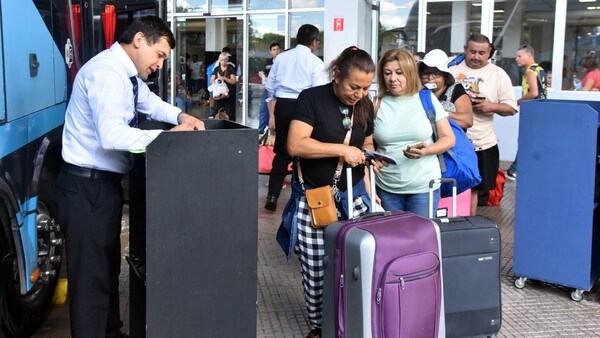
point(33, 65)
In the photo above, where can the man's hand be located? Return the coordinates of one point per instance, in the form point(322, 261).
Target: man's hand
point(188, 122)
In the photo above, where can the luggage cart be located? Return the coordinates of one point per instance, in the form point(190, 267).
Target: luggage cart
point(557, 224)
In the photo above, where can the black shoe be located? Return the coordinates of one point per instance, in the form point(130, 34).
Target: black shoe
point(314, 333)
point(511, 175)
point(271, 203)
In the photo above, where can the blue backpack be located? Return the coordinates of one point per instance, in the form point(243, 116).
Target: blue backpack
point(458, 162)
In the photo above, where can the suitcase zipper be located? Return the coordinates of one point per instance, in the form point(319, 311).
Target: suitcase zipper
point(403, 279)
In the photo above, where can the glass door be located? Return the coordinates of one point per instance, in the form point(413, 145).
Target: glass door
point(199, 43)
point(448, 24)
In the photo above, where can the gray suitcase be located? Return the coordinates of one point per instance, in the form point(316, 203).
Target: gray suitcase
point(471, 255)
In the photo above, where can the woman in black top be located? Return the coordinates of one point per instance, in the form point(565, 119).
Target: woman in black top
point(320, 123)
point(225, 72)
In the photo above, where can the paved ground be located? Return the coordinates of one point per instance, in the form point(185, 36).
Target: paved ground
point(538, 310)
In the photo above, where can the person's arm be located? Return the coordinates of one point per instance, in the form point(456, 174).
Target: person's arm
point(444, 142)
point(271, 108)
point(231, 79)
point(464, 112)
point(531, 78)
point(484, 107)
point(300, 144)
point(589, 84)
point(188, 122)
point(507, 103)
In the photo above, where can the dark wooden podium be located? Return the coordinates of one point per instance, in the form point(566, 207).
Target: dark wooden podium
point(193, 234)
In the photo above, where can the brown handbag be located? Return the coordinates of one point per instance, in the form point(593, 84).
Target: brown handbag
point(322, 206)
point(321, 203)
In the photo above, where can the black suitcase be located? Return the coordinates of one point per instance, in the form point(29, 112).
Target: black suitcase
point(471, 255)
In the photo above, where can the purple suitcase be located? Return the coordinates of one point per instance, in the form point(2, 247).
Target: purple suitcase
point(383, 277)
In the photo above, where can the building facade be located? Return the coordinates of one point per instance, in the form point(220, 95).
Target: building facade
point(562, 32)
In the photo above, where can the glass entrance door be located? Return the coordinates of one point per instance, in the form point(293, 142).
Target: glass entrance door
point(199, 43)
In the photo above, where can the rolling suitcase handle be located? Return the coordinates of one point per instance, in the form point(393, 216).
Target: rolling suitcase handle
point(442, 180)
point(351, 192)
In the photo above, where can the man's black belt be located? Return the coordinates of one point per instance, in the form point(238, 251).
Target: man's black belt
point(96, 174)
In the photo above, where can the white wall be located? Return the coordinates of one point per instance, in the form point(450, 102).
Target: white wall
point(356, 27)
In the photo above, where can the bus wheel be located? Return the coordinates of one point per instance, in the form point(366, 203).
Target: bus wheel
point(25, 313)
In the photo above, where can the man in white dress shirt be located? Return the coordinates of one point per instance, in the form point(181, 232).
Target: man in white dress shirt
point(293, 71)
point(99, 131)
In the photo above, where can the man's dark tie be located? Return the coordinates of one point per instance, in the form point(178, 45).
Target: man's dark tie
point(134, 122)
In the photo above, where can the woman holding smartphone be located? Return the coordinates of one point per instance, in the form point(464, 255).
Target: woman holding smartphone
point(403, 132)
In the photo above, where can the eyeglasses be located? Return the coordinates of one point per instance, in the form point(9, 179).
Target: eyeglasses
point(427, 73)
point(346, 121)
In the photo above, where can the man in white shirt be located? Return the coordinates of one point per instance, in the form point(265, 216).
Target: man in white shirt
point(196, 75)
point(491, 93)
point(99, 131)
point(293, 71)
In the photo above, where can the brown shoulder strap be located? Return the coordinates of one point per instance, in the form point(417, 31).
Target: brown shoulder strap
point(376, 103)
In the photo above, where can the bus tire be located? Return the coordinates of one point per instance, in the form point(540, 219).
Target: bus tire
point(24, 314)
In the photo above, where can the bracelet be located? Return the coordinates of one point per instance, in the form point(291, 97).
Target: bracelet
point(180, 118)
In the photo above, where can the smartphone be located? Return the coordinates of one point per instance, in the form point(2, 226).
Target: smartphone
point(419, 145)
point(478, 98)
point(370, 154)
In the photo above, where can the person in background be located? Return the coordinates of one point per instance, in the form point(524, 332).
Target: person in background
point(491, 93)
point(418, 56)
point(263, 113)
point(293, 71)
point(226, 73)
point(197, 73)
point(211, 101)
point(591, 80)
point(324, 116)
point(403, 132)
point(99, 132)
point(535, 86)
point(435, 76)
point(547, 65)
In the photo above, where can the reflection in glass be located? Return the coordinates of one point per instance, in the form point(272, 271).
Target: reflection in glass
point(398, 25)
point(313, 18)
point(219, 6)
point(518, 23)
point(264, 29)
point(582, 39)
point(307, 3)
point(188, 6)
point(266, 4)
point(449, 25)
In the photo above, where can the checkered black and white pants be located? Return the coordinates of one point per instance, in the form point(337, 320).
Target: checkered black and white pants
point(311, 249)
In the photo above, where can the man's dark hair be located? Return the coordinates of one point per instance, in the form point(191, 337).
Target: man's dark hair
point(153, 28)
point(306, 34)
point(274, 44)
point(480, 38)
point(226, 50)
point(547, 65)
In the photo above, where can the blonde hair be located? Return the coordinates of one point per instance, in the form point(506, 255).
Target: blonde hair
point(224, 56)
point(408, 66)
